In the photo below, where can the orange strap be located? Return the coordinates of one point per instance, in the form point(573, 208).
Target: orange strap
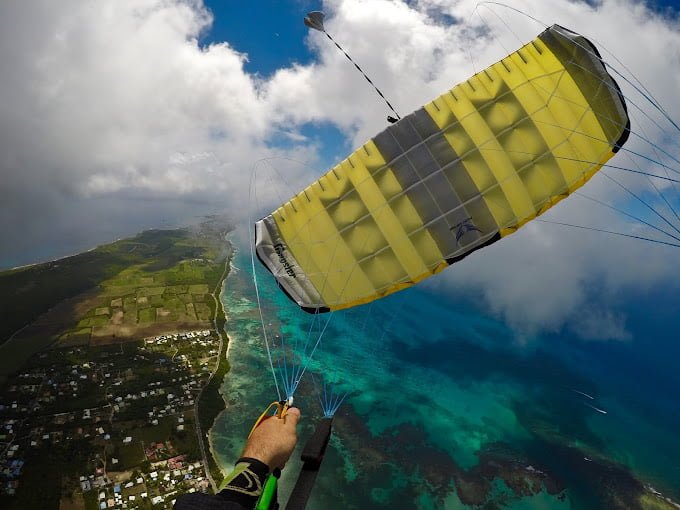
point(281, 410)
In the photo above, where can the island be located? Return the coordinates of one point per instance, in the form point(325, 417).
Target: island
point(110, 366)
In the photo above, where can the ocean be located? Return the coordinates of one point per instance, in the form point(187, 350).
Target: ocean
point(446, 408)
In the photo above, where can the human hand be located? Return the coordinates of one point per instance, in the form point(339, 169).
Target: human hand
point(274, 439)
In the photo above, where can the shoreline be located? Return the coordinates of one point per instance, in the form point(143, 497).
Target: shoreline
point(205, 403)
point(37, 263)
point(215, 436)
point(223, 470)
point(84, 250)
point(211, 446)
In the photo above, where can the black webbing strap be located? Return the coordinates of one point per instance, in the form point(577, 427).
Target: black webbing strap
point(312, 455)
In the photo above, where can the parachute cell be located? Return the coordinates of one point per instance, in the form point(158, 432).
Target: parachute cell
point(458, 174)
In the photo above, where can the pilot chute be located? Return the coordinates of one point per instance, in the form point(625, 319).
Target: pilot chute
point(458, 174)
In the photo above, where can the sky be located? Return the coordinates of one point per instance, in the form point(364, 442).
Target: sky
point(118, 116)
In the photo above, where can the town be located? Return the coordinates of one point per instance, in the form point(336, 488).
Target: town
point(113, 427)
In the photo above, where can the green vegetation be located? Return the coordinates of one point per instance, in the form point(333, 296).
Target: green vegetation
point(153, 391)
point(44, 473)
point(130, 455)
point(211, 402)
point(147, 315)
point(210, 405)
point(157, 281)
point(30, 291)
point(653, 502)
point(84, 379)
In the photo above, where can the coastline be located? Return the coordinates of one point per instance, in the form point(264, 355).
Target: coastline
point(125, 303)
point(84, 250)
point(220, 468)
point(369, 437)
point(210, 402)
point(70, 254)
point(58, 259)
point(223, 471)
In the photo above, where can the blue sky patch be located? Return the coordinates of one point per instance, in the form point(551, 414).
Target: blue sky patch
point(271, 33)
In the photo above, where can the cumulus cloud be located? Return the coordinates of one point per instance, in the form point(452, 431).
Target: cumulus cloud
point(113, 118)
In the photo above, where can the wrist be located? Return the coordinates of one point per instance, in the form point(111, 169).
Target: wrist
point(258, 454)
point(244, 485)
point(257, 466)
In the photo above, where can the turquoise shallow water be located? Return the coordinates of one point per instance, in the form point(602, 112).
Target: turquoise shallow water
point(445, 408)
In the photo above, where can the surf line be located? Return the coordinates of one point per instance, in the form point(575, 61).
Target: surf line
point(596, 408)
point(584, 394)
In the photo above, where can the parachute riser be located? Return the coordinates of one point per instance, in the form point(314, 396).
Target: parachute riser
point(314, 20)
point(312, 457)
point(279, 409)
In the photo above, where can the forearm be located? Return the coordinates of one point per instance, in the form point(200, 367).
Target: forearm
point(245, 483)
point(268, 448)
point(240, 490)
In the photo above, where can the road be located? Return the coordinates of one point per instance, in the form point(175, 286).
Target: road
point(199, 432)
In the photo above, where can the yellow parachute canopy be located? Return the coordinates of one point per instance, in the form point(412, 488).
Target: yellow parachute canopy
point(463, 171)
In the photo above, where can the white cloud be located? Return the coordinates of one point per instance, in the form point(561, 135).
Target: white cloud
point(601, 325)
point(118, 98)
point(111, 103)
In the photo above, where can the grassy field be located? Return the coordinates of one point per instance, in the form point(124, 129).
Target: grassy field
point(157, 282)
